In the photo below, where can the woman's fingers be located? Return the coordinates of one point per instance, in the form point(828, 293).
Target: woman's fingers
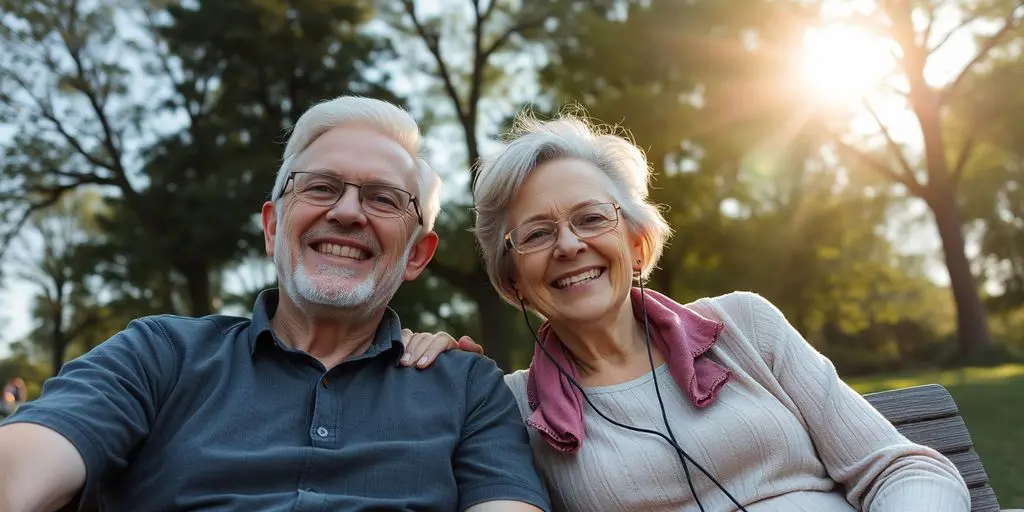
point(422, 348)
point(434, 348)
point(466, 343)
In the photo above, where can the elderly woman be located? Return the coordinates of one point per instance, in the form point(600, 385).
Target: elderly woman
point(637, 403)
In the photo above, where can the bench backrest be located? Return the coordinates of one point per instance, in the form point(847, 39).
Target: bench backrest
point(928, 415)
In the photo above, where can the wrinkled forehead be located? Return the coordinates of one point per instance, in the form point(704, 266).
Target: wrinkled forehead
point(361, 155)
point(555, 189)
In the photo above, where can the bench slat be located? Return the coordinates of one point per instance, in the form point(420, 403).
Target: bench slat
point(970, 467)
point(918, 403)
point(928, 415)
point(947, 435)
point(983, 499)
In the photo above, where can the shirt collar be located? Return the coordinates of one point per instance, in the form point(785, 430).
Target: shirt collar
point(387, 338)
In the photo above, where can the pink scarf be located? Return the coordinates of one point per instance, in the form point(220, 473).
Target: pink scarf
point(682, 335)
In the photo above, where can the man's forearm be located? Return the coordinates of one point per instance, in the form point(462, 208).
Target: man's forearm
point(503, 506)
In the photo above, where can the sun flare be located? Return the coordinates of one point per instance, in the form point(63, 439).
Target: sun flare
point(840, 65)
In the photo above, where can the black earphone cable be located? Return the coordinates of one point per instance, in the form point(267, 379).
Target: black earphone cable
point(670, 439)
point(661, 403)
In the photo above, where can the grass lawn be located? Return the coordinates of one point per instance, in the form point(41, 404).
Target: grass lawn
point(991, 401)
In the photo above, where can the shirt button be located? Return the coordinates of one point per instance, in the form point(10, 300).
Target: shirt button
point(324, 381)
point(321, 431)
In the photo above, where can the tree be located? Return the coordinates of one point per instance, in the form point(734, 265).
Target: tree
point(936, 176)
point(66, 306)
point(469, 66)
point(992, 104)
point(184, 132)
point(686, 104)
point(737, 63)
point(754, 202)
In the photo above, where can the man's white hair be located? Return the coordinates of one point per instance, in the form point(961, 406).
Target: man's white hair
point(378, 115)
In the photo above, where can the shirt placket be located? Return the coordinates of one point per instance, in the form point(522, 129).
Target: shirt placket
point(323, 433)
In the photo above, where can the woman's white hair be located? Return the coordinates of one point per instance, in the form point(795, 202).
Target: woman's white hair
point(532, 143)
point(388, 119)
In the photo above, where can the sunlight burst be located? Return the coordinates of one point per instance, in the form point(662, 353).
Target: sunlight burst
point(841, 64)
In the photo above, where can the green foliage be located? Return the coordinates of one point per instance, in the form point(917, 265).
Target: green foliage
point(176, 111)
point(991, 113)
point(66, 307)
point(738, 169)
point(21, 366)
point(185, 195)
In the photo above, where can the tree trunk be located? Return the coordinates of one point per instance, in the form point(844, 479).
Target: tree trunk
point(60, 347)
point(972, 326)
point(501, 326)
point(58, 341)
point(941, 196)
point(197, 280)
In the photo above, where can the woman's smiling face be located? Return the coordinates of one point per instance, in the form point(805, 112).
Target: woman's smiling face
point(577, 279)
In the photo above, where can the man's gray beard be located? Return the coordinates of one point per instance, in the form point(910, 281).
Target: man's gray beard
point(367, 295)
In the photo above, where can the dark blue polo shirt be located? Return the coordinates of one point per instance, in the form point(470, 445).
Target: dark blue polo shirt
point(215, 413)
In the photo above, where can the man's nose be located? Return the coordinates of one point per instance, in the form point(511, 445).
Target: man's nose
point(348, 210)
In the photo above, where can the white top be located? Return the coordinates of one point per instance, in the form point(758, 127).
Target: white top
point(783, 430)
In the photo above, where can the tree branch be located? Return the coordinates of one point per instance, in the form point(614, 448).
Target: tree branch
point(913, 55)
point(109, 137)
point(433, 45)
point(517, 28)
point(55, 193)
point(881, 168)
point(489, 11)
point(164, 59)
point(1010, 23)
point(83, 179)
point(949, 35)
point(928, 28)
point(45, 109)
point(965, 155)
point(890, 143)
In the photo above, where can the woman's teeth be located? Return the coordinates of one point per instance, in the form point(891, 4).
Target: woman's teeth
point(578, 279)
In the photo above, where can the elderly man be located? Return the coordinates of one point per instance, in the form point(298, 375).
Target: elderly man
point(305, 406)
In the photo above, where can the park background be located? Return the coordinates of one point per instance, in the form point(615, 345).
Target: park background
point(859, 163)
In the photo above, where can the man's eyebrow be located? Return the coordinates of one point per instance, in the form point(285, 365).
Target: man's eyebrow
point(376, 181)
point(544, 216)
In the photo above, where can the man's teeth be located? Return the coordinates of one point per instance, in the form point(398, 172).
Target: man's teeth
point(577, 279)
point(343, 251)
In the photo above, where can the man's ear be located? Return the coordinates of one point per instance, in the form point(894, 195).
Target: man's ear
point(421, 254)
point(268, 219)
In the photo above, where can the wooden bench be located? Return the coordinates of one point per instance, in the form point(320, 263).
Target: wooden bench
point(928, 415)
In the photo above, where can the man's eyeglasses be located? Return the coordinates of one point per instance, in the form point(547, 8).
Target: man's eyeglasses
point(585, 222)
point(377, 199)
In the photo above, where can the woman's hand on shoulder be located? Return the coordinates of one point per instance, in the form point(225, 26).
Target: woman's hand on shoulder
point(422, 348)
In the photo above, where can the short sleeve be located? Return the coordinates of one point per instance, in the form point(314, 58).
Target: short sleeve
point(493, 460)
point(105, 401)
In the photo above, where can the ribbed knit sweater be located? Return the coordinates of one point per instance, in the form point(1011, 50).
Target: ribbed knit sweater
point(786, 434)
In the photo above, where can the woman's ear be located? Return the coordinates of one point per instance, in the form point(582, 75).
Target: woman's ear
point(515, 291)
point(637, 253)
